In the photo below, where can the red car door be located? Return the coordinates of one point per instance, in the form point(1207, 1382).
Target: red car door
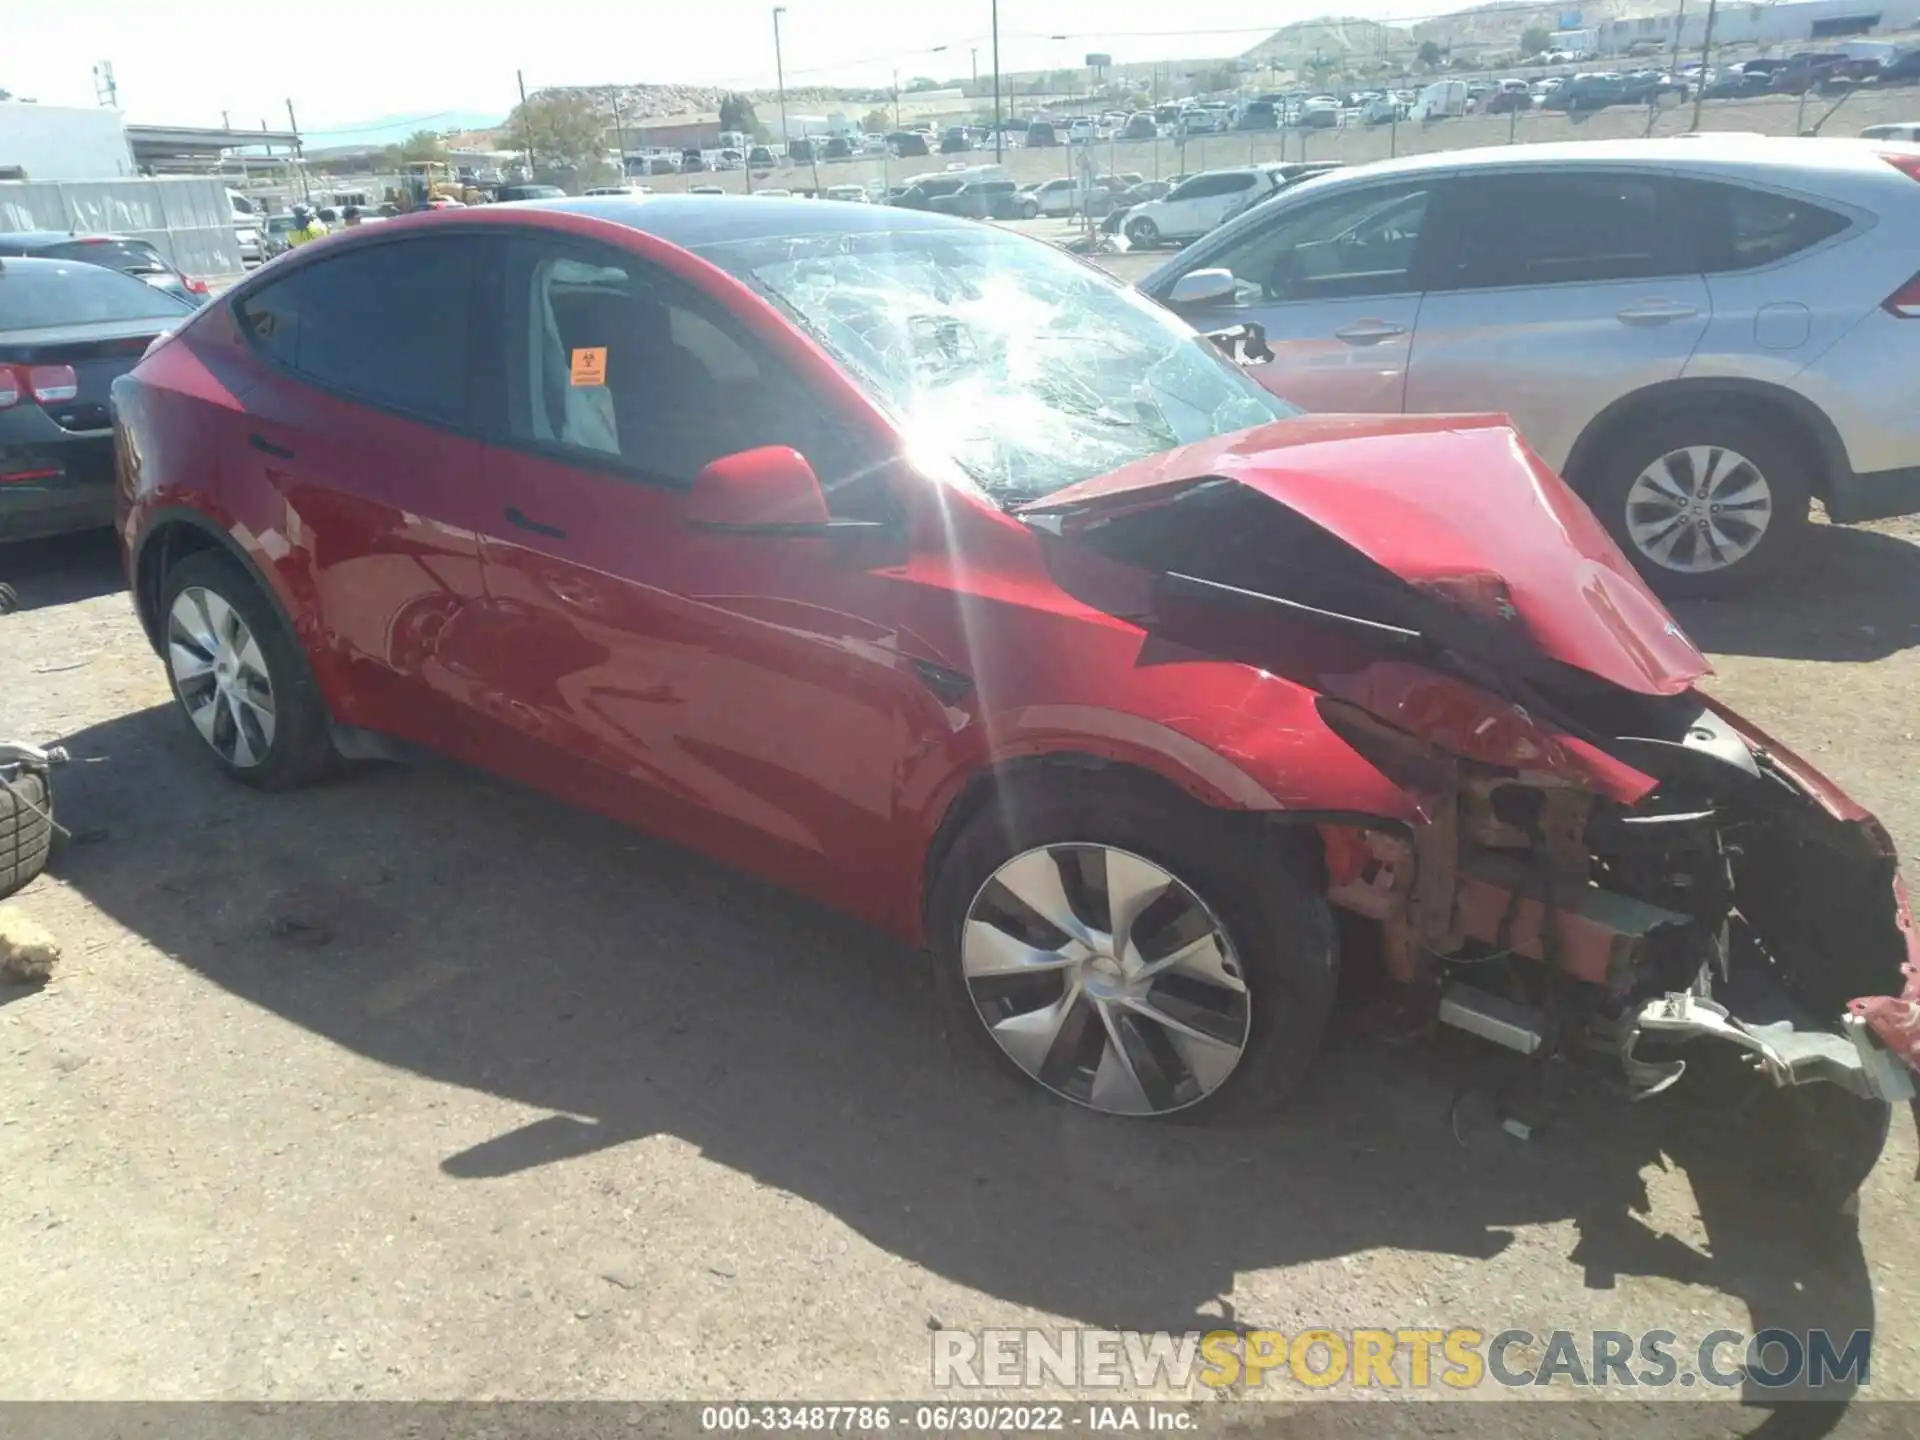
point(745, 694)
point(376, 498)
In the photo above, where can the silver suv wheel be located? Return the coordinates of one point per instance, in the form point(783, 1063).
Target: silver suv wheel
point(1699, 509)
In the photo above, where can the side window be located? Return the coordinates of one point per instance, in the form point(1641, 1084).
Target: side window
point(611, 360)
point(1568, 229)
point(1751, 228)
point(388, 323)
point(1355, 243)
point(1235, 184)
point(1192, 189)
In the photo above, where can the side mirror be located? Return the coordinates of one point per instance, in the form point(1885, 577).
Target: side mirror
point(768, 491)
point(1201, 287)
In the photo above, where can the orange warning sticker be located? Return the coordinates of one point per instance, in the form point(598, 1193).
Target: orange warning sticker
point(590, 366)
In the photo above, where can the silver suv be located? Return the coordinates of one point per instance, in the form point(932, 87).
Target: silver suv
point(1702, 335)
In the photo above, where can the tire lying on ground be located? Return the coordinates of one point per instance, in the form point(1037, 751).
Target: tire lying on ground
point(26, 827)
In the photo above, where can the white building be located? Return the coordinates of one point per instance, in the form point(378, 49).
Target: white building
point(62, 142)
point(1780, 22)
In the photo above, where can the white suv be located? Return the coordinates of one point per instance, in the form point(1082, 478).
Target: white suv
point(1702, 337)
point(1196, 205)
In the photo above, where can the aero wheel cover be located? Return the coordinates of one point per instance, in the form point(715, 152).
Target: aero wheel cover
point(1106, 979)
point(1699, 509)
point(221, 677)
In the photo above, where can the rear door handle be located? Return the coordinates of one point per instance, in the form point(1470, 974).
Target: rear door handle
point(267, 447)
point(1368, 332)
point(1657, 312)
point(515, 516)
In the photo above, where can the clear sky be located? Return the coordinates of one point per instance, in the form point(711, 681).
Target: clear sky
point(342, 61)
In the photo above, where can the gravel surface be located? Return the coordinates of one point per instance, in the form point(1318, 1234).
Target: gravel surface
point(418, 1086)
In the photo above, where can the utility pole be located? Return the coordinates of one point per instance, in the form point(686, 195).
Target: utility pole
point(998, 137)
point(1706, 46)
point(975, 52)
point(526, 121)
point(619, 130)
point(299, 152)
point(896, 99)
point(1673, 68)
point(780, 78)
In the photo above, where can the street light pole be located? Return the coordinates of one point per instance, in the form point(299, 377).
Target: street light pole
point(999, 136)
point(780, 78)
point(1706, 49)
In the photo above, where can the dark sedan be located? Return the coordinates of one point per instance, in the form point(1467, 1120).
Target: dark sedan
point(986, 200)
point(117, 252)
point(68, 330)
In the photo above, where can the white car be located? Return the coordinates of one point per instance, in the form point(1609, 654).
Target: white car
point(1196, 205)
point(1059, 196)
point(1083, 132)
point(857, 194)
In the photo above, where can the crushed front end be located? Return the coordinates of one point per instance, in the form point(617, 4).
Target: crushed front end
point(1595, 858)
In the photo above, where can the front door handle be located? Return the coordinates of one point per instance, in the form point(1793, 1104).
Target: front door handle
point(1368, 332)
point(267, 447)
point(515, 516)
point(1656, 312)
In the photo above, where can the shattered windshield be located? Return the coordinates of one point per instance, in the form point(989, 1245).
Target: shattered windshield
point(1029, 370)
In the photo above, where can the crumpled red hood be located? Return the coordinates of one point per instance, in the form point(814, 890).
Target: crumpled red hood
point(1444, 502)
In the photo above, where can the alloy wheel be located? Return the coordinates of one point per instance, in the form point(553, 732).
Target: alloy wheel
point(1107, 979)
point(221, 677)
point(1699, 509)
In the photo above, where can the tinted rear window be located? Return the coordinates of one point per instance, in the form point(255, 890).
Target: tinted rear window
point(39, 296)
point(387, 323)
point(1756, 227)
point(136, 256)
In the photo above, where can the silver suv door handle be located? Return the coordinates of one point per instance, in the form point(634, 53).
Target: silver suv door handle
point(1368, 332)
point(1656, 312)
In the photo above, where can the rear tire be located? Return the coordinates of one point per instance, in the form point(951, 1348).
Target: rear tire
point(1703, 503)
point(1250, 888)
point(242, 681)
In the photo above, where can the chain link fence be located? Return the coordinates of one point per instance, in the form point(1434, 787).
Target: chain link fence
point(189, 221)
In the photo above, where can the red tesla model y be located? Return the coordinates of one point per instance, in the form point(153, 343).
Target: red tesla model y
point(921, 567)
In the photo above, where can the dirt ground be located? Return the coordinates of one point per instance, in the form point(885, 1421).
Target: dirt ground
point(417, 1086)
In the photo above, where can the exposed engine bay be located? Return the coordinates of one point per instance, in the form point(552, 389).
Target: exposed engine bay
point(1596, 859)
point(1722, 907)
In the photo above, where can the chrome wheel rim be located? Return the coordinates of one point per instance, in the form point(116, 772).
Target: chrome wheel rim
point(1106, 979)
point(221, 677)
point(1698, 509)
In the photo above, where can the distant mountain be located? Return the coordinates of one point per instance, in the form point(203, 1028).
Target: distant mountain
point(1330, 38)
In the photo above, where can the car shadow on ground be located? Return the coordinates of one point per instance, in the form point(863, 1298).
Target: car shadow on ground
point(62, 570)
point(482, 936)
point(1850, 595)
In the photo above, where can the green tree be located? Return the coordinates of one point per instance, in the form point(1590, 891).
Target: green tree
point(877, 121)
point(736, 113)
point(1429, 54)
point(423, 145)
point(567, 131)
point(1534, 40)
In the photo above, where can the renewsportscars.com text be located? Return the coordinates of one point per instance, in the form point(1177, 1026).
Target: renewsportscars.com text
point(1458, 1359)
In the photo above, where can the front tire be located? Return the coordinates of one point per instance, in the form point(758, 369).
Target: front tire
point(1029, 211)
point(240, 677)
point(1131, 951)
point(1704, 504)
point(1143, 233)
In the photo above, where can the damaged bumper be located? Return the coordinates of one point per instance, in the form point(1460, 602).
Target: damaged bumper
point(1854, 1060)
